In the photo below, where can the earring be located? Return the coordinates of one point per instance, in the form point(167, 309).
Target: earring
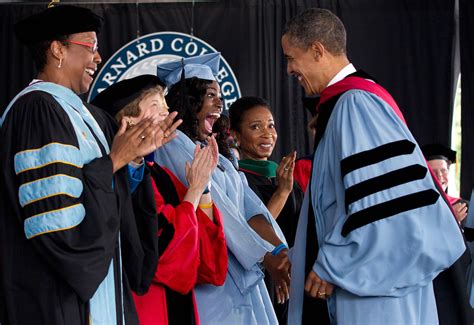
point(60, 63)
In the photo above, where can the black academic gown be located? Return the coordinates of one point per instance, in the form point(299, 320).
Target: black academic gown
point(49, 278)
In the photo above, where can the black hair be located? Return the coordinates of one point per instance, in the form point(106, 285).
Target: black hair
point(222, 130)
point(241, 106)
point(186, 97)
point(315, 24)
point(39, 51)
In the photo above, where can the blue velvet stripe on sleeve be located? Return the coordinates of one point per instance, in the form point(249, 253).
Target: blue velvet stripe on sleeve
point(46, 155)
point(43, 188)
point(55, 220)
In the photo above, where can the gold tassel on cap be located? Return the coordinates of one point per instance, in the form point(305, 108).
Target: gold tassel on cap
point(52, 3)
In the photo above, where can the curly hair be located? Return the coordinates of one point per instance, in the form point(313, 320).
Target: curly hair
point(222, 130)
point(186, 97)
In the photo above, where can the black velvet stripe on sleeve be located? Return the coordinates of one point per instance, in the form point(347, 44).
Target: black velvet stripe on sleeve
point(49, 170)
point(378, 154)
point(383, 182)
point(388, 209)
point(469, 234)
point(49, 204)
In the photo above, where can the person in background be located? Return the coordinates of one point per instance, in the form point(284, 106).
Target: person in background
point(252, 236)
point(440, 158)
point(71, 247)
point(253, 128)
point(302, 171)
point(221, 129)
point(191, 238)
point(373, 234)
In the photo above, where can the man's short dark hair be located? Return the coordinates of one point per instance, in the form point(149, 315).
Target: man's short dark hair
point(319, 25)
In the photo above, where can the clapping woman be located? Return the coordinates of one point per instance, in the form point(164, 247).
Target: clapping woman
point(191, 238)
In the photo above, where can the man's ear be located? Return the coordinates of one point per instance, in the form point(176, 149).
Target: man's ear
point(318, 50)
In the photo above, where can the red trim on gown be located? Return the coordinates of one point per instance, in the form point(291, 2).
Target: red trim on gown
point(302, 172)
point(353, 82)
point(196, 254)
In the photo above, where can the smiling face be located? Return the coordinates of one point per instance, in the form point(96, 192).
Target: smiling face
point(152, 106)
point(79, 62)
point(211, 110)
point(257, 135)
point(305, 65)
point(440, 168)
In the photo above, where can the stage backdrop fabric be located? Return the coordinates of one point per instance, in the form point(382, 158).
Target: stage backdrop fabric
point(406, 45)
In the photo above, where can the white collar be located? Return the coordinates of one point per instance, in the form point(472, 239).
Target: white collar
point(347, 70)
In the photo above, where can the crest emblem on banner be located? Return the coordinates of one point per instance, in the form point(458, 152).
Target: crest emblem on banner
point(142, 55)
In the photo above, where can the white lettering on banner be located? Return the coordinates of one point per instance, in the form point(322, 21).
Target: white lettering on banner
point(142, 55)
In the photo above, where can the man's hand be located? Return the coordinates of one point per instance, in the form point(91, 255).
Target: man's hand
point(317, 288)
point(460, 210)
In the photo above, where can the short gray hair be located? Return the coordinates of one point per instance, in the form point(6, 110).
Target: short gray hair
point(319, 25)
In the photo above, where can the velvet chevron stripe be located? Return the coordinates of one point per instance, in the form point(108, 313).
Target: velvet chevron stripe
point(372, 156)
point(55, 220)
point(383, 182)
point(43, 188)
point(388, 209)
point(49, 154)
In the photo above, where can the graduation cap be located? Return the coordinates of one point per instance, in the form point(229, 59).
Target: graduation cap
point(116, 97)
point(203, 67)
point(439, 151)
point(57, 21)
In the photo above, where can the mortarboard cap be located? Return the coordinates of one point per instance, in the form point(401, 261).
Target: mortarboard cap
point(117, 96)
point(438, 151)
point(57, 21)
point(203, 67)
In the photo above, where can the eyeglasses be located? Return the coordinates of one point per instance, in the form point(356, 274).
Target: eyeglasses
point(93, 46)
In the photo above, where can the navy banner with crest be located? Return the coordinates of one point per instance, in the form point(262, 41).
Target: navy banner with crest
point(407, 47)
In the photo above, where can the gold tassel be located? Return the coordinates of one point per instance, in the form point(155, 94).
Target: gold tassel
point(52, 3)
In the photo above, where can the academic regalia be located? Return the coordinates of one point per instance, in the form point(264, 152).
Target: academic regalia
point(302, 171)
point(469, 233)
point(261, 176)
point(192, 251)
point(243, 299)
point(67, 219)
point(262, 181)
point(383, 230)
point(438, 151)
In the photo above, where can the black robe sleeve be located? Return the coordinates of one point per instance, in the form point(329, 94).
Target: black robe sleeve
point(73, 229)
point(140, 240)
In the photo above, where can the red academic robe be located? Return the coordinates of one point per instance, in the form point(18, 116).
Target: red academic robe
point(192, 251)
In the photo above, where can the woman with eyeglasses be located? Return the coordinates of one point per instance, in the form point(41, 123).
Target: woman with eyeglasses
point(72, 248)
point(440, 158)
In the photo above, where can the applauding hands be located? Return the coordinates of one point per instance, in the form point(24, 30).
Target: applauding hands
point(140, 140)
